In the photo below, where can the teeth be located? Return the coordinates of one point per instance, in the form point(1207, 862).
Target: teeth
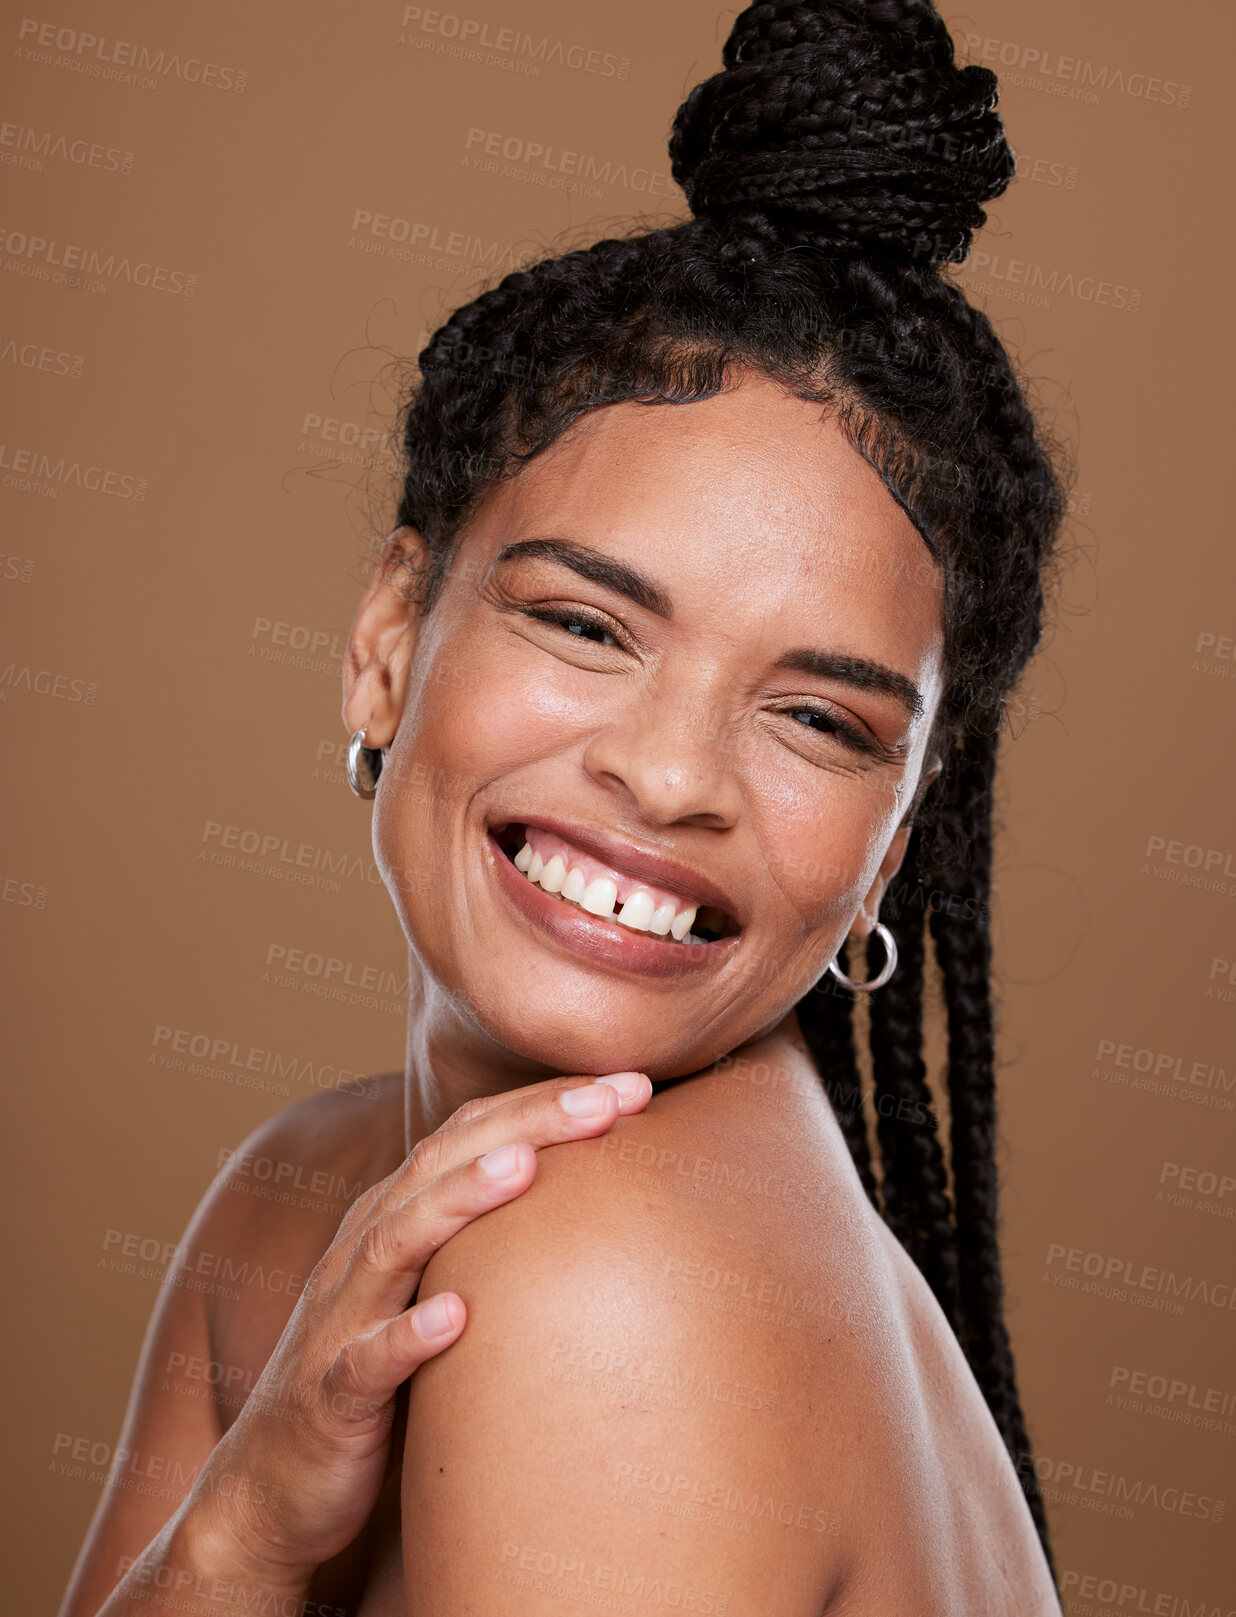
point(662, 919)
point(600, 897)
point(637, 911)
point(683, 922)
point(554, 874)
point(641, 912)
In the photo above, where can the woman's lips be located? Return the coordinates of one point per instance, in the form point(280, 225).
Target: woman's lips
point(604, 941)
point(638, 863)
point(604, 890)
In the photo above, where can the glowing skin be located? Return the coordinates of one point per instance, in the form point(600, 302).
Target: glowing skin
point(676, 729)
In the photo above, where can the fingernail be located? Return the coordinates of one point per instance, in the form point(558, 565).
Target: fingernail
point(502, 1163)
point(433, 1318)
point(588, 1100)
point(628, 1084)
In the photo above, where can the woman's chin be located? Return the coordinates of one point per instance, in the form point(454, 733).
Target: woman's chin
point(591, 1051)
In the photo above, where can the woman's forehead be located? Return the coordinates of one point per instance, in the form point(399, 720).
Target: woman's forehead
point(753, 493)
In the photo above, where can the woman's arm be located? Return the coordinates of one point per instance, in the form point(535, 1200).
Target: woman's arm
point(292, 1481)
point(631, 1419)
point(170, 1428)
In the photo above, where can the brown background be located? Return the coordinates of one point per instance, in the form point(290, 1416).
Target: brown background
point(171, 701)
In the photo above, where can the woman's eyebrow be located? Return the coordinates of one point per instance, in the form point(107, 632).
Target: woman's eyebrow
point(597, 568)
point(860, 672)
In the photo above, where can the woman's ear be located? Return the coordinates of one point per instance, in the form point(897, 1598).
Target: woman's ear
point(375, 668)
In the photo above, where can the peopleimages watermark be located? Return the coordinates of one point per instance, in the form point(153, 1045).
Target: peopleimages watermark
point(416, 241)
point(249, 1067)
point(270, 853)
point(46, 682)
point(1128, 1281)
point(33, 471)
point(146, 1257)
point(1118, 1595)
point(1074, 1482)
point(33, 356)
point(558, 167)
point(1162, 1072)
point(123, 60)
point(1026, 282)
point(351, 442)
point(26, 147)
point(1189, 1402)
point(469, 38)
point(88, 269)
point(1035, 68)
point(1215, 653)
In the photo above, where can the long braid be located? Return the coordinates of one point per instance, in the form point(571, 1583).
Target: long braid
point(916, 1200)
point(826, 1018)
point(961, 865)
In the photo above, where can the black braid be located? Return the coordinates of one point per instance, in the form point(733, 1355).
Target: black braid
point(826, 1019)
point(916, 1199)
point(962, 867)
point(835, 164)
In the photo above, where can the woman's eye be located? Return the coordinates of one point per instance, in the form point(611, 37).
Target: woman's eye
point(576, 623)
point(813, 718)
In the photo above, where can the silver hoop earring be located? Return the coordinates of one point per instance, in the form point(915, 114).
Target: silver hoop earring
point(890, 965)
point(364, 765)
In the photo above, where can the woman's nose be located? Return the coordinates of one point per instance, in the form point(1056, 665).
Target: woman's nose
point(673, 758)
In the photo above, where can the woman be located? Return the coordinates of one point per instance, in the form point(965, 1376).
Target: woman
point(720, 548)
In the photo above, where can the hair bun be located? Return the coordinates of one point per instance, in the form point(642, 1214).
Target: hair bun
point(850, 122)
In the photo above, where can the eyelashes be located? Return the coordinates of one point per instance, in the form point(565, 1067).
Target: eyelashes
point(580, 624)
point(853, 737)
point(598, 631)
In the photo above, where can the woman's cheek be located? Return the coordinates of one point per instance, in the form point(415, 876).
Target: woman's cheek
point(812, 838)
point(508, 712)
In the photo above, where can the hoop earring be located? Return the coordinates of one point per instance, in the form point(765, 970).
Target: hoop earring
point(890, 965)
point(364, 765)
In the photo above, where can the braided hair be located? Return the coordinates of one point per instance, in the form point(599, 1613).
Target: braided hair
point(838, 161)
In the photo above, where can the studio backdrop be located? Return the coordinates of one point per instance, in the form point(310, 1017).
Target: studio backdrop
point(225, 230)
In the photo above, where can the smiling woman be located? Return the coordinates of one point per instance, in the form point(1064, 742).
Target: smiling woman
point(720, 549)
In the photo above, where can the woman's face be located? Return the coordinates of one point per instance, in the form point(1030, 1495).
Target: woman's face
point(691, 652)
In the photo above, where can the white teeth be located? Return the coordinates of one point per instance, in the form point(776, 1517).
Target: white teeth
point(683, 922)
point(662, 919)
point(600, 897)
point(554, 874)
point(641, 912)
point(637, 911)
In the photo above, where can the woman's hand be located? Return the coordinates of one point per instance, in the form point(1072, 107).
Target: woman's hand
point(296, 1476)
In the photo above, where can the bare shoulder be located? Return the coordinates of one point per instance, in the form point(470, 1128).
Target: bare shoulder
point(636, 1402)
point(273, 1210)
point(306, 1165)
point(697, 1334)
point(257, 1233)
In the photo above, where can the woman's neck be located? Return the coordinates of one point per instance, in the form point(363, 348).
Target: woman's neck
point(450, 1059)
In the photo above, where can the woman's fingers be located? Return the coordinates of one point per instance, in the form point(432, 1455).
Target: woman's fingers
point(481, 1157)
point(390, 1254)
point(369, 1369)
point(565, 1109)
point(626, 1083)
